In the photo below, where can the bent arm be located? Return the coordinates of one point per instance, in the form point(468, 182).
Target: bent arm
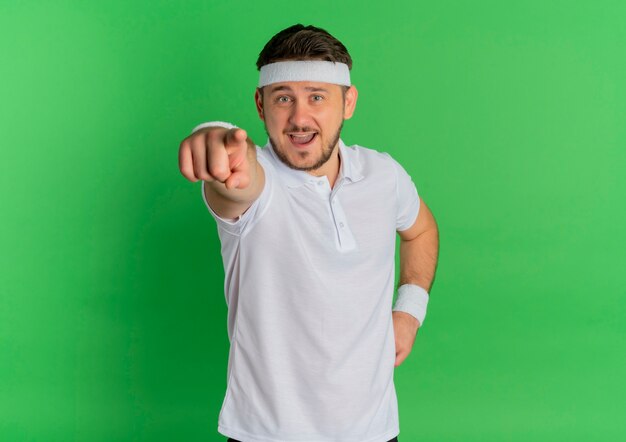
point(419, 250)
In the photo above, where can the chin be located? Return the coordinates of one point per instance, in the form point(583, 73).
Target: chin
point(301, 158)
point(304, 163)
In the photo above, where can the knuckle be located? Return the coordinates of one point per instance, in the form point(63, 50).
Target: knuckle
point(187, 172)
point(202, 173)
point(217, 171)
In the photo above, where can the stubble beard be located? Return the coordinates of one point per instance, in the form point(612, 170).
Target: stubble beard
point(327, 151)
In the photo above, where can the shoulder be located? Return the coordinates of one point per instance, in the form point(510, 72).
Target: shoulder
point(264, 157)
point(262, 153)
point(372, 159)
point(366, 152)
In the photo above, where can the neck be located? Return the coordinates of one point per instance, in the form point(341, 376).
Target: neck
point(330, 168)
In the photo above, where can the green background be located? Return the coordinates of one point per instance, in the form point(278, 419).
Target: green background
point(510, 117)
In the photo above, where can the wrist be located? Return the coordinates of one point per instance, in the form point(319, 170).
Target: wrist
point(412, 299)
point(214, 124)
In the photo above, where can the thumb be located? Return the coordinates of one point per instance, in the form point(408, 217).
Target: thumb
point(238, 180)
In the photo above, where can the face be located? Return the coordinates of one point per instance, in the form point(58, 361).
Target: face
point(304, 119)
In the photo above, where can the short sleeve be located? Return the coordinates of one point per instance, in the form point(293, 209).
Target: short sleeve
point(408, 202)
point(241, 225)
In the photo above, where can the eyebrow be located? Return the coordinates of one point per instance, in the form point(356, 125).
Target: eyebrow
point(287, 88)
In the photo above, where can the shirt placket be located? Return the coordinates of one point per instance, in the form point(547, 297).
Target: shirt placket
point(345, 238)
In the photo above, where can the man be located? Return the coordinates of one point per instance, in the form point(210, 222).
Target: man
point(308, 229)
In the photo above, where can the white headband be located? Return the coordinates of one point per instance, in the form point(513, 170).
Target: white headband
point(305, 70)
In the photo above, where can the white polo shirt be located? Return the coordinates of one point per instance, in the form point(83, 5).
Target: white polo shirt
point(309, 287)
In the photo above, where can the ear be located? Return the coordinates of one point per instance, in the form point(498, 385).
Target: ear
point(258, 100)
point(350, 102)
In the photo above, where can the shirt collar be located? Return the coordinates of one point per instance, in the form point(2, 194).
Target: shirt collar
point(349, 168)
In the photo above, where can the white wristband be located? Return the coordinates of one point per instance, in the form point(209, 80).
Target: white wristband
point(213, 124)
point(412, 299)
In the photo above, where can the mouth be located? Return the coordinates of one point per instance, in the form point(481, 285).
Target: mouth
point(302, 139)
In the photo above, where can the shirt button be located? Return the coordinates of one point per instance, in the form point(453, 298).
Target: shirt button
point(340, 224)
point(319, 183)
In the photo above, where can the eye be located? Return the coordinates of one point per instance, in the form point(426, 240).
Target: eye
point(282, 99)
point(317, 98)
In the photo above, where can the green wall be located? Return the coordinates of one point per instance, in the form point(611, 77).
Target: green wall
point(510, 116)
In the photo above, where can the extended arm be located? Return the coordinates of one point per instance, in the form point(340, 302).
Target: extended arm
point(218, 152)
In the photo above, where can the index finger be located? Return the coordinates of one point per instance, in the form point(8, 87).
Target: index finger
point(235, 137)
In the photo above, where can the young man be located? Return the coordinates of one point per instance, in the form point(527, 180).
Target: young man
point(308, 229)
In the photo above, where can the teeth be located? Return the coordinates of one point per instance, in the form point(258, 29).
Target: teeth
point(302, 138)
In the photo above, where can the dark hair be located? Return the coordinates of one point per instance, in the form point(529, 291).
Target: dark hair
point(299, 42)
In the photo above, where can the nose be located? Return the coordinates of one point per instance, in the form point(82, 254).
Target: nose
point(299, 116)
